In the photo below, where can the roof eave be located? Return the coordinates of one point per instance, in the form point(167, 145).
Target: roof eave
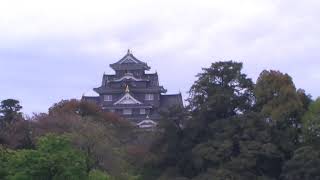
point(116, 67)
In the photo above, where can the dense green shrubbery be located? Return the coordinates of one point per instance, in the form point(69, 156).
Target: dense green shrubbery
point(53, 158)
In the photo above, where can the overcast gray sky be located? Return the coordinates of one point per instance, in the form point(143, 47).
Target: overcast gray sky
point(59, 49)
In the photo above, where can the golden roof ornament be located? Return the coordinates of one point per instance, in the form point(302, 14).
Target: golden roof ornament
point(127, 89)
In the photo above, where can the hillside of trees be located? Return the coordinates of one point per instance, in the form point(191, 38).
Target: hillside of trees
point(231, 129)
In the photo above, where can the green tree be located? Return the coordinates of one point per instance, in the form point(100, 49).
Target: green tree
point(170, 146)
point(239, 148)
point(311, 124)
point(3, 162)
point(10, 111)
point(305, 164)
point(54, 158)
point(14, 130)
point(223, 138)
point(306, 99)
point(277, 98)
point(221, 91)
point(280, 104)
point(101, 136)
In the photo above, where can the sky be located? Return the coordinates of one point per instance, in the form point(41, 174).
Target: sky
point(59, 49)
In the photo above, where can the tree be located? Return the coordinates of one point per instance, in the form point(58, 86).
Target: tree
point(168, 147)
point(101, 136)
point(223, 138)
point(10, 111)
point(17, 136)
point(311, 124)
point(14, 130)
point(276, 97)
point(221, 91)
point(282, 107)
point(74, 106)
point(305, 164)
point(54, 158)
point(239, 148)
point(306, 99)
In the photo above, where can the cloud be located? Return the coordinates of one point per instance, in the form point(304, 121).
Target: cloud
point(51, 50)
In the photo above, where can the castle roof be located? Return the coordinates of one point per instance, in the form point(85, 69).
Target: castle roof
point(114, 78)
point(129, 62)
point(167, 101)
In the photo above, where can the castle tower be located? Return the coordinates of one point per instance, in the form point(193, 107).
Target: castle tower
point(132, 93)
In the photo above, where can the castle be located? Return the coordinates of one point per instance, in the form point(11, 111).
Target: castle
point(134, 94)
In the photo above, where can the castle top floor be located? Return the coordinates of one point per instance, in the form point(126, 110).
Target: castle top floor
point(129, 64)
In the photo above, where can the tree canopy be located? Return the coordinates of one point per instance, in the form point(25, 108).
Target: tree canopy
point(221, 90)
point(311, 123)
point(276, 97)
point(53, 158)
point(10, 111)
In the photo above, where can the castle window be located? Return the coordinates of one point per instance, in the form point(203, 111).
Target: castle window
point(142, 111)
point(127, 111)
point(107, 97)
point(149, 97)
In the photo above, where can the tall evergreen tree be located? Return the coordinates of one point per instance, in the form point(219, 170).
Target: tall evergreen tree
point(10, 111)
point(221, 91)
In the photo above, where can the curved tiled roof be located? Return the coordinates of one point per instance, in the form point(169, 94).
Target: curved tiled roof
point(129, 62)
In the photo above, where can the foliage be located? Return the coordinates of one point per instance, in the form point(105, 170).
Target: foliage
point(305, 164)
point(221, 91)
point(168, 147)
point(74, 106)
point(305, 99)
point(241, 146)
point(282, 106)
point(14, 131)
point(10, 111)
point(276, 97)
point(17, 135)
point(101, 136)
point(311, 123)
point(98, 175)
point(231, 134)
point(53, 158)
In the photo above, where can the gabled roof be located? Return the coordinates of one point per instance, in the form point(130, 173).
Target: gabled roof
point(147, 123)
point(129, 62)
point(128, 76)
point(127, 99)
point(129, 58)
